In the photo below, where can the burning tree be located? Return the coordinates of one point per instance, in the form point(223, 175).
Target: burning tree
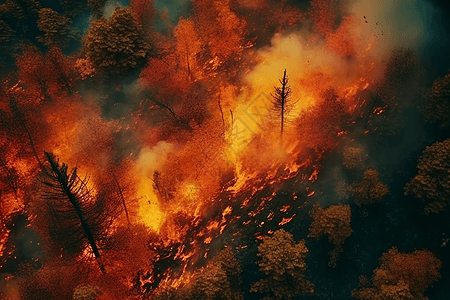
point(283, 263)
point(219, 280)
point(78, 219)
point(432, 182)
point(282, 101)
point(333, 222)
point(401, 276)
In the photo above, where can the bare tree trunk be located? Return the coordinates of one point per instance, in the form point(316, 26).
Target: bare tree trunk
point(121, 196)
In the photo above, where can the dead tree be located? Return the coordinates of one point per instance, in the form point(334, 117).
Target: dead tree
point(282, 102)
point(79, 220)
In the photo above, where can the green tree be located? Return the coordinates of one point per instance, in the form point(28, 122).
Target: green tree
point(436, 102)
point(283, 263)
point(57, 29)
point(333, 222)
point(369, 190)
point(117, 46)
point(432, 182)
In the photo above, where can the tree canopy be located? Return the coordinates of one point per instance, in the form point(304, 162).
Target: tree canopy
point(369, 190)
point(432, 182)
point(401, 276)
point(284, 263)
point(333, 222)
point(117, 46)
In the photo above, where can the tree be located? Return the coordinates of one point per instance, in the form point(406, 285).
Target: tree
point(283, 263)
point(402, 83)
point(353, 158)
point(369, 190)
point(45, 76)
point(56, 28)
point(78, 219)
point(333, 222)
point(282, 102)
point(436, 102)
point(188, 45)
point(221, 279)
point(144, 12)
point(401, 276)
point(219, 28)
point(319, 127)
point(117, 46)
point(432, 182)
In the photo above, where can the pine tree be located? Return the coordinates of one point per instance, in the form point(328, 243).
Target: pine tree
point(282, 101)
point(79, 220)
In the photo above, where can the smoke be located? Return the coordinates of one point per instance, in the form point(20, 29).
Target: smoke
point(173, 8)
point(111, 5)
point(395, 23)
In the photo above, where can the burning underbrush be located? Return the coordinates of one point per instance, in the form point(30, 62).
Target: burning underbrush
point(214, 141)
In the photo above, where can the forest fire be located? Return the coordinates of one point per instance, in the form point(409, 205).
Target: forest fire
point(147, 156)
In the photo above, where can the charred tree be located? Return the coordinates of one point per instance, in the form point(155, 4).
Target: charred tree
point(20, 118)
point(282, 102)
point(179, 121)
point(79, 220)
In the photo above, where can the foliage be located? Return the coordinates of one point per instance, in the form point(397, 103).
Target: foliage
point(188, 45)
point(219, 28)
point(86, 292)
point(436, 102)
point(117, 46)
point(402, 80)
point(369, 190)
point(45, 76)
point(221, 279)
point(333, 222)
point(432, 182)
point(401, 276)
point(353, 158)
point(283, 263)
point(144, 12)
point(56, 28)
point(319, 126)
